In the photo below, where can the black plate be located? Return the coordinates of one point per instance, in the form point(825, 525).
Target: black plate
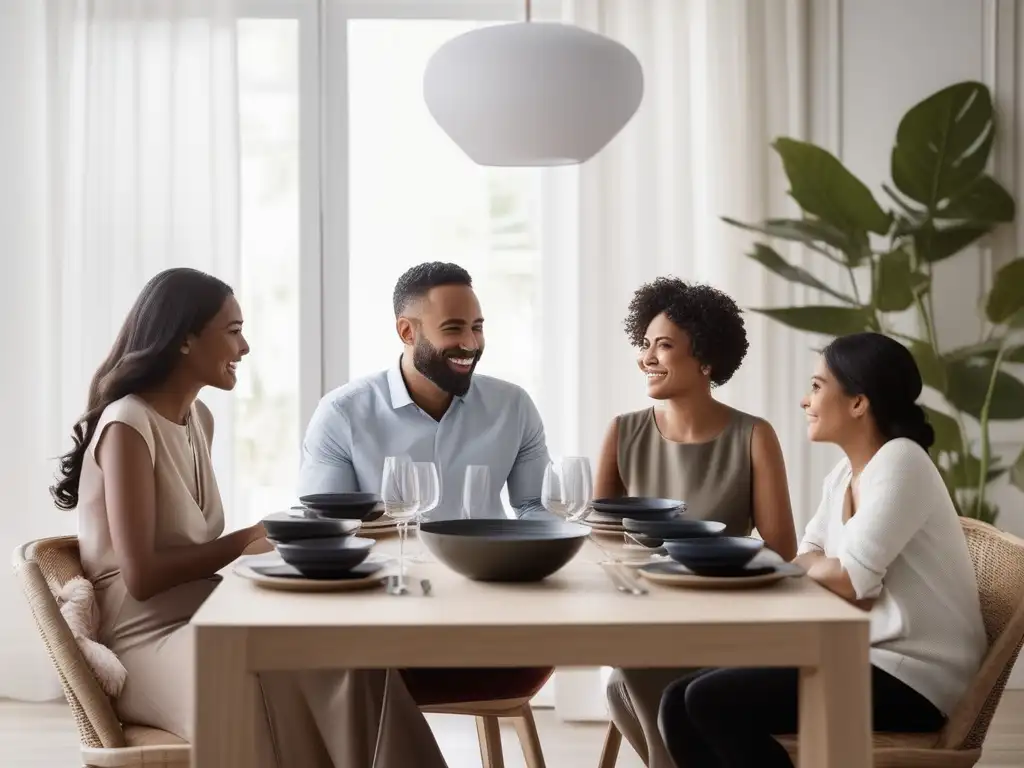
point(282, 526)
point(285, 571)
point(345, 506)
point(341, 552)
point(673, 529)
point(639, 507)
point(714, 552)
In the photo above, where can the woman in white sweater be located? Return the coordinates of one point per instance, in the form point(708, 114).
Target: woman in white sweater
point(886, 538)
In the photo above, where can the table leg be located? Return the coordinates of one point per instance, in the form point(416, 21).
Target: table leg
point(835, 701)
point(225, 701)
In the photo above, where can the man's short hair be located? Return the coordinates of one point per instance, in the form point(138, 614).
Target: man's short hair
point(418, 280)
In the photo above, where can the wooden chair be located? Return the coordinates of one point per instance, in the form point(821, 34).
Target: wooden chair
point(488, 715)
point(44, 566)
point(998, 559)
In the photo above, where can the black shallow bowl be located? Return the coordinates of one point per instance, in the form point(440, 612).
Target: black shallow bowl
point(282, 526)
point(503, 549)
point(639, 507)
point(344, 506)
point(319, 554)
point(704, 556)
point(674, 529)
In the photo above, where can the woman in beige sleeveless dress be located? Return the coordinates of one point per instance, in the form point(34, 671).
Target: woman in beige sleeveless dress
point(725, 464)
point(150, 531)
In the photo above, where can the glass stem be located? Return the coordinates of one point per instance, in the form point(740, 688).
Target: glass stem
point(403, 527)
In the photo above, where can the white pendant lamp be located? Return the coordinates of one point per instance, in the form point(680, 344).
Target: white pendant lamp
point(532, 93)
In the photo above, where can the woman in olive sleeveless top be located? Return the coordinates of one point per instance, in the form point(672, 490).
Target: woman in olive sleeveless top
point(725, 464)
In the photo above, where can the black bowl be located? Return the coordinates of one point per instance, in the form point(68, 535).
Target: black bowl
point(319, 555)
point(639, 507)
point(492, 549)
point(282, 526)
point(715, 553)
point(670, 530)
point(344, 506)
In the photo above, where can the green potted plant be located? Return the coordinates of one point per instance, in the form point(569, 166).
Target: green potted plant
point(943, 201)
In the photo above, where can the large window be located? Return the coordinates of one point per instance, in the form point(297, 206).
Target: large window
point(346, 182)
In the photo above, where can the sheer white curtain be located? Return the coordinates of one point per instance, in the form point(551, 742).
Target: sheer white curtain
point(124, 162)
point(722, 79)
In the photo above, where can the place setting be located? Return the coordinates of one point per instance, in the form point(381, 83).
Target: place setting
point(718, 562)
point(325, 544)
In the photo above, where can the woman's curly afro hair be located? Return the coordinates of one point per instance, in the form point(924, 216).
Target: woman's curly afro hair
point(710, 318)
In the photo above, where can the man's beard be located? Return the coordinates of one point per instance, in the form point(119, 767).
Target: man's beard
point(432, 363)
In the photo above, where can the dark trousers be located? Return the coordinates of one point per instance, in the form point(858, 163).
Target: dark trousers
point(725, 718)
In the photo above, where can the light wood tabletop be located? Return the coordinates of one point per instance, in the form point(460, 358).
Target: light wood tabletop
point(574, 618)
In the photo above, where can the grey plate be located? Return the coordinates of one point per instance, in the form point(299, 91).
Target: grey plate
point(503, 549)
point(344, 506)
point(716, 552)
point(282, 526)
point(674, 529)
point(639, 507)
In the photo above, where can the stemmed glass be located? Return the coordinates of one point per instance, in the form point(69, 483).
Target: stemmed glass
point(400, 494)
point(428, 483)
point(476, 491)
point(567, 488)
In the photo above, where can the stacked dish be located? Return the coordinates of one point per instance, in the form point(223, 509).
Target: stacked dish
point(314, 552)
point(366, 507)
point(608, 514)
point(719, 562)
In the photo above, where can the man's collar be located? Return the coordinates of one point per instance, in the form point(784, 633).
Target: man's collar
point(400, 396)
point(399, 392)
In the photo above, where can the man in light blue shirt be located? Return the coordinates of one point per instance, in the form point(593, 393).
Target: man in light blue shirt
point(431, 407)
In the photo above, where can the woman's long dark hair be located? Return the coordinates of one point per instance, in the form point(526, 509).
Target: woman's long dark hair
point(884, 371)
point(173, 304)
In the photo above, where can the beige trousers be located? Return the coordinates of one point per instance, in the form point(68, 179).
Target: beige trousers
point(634, 696)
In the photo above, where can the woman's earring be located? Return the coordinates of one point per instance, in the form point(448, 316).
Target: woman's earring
point(706, 370)
point(184, 350)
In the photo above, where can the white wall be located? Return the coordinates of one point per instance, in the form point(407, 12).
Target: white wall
point(875, 59)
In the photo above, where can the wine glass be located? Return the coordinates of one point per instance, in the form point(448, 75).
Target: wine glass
point(577, 487)
point(400, 493)
point(428, 483)
point(551, 491)
point(476, 491)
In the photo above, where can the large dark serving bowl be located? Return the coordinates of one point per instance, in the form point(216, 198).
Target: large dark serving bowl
point(639, 507)
point(346, 506)
point(709, 556)
point(503, 549)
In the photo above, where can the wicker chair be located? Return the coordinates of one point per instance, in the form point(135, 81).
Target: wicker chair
point(44, 566)
point(998, 559)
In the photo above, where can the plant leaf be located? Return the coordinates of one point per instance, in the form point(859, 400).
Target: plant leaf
point(934, 245)
point(984, 199)
point(896, 284)
point(807, 231)
point(825, 188)
point(827, 320)
point(968, 384)
point(931, 367)
point(1017, 471)
point(771, 260)
point(943, 143)
point(1007, 295)
point(964, 471)
point(947, 431)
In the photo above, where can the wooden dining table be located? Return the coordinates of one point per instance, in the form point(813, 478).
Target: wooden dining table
point(574, 618)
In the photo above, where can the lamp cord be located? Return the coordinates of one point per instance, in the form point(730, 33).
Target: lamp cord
point(529, 9)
